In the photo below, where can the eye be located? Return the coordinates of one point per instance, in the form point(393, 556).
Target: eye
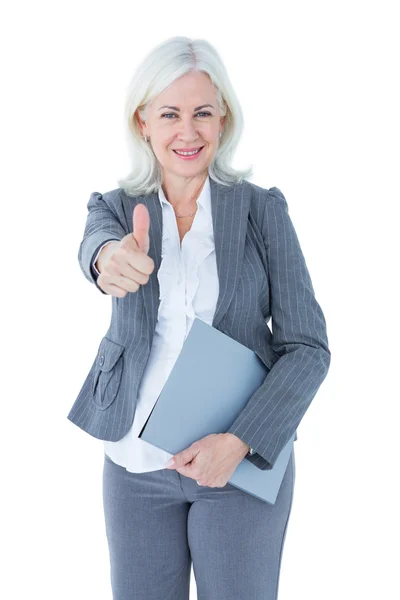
point(174, 114)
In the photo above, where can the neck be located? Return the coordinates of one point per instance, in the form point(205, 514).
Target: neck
point(183, 198)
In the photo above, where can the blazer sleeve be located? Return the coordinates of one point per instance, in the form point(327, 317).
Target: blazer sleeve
point(299, 338)
point(103, 224)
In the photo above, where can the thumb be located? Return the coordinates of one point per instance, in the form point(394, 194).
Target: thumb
point(141, 225)
point(182, 458)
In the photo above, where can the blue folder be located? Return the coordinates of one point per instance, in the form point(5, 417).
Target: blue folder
point(211, 381)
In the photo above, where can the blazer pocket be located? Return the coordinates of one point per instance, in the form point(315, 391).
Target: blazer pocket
point(108, 373)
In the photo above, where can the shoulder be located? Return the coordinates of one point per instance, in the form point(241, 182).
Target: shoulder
point(266, 194)
point(111, 200)
point(112, 197)
point(266, 198)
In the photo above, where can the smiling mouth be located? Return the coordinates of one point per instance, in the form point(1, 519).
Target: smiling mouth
point(199, 150)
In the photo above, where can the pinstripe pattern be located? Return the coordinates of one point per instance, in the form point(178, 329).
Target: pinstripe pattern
point(262, 274)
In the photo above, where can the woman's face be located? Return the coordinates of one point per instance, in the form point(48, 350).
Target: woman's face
point(186, 126)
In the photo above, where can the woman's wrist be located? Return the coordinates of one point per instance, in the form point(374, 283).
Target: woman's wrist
point(104, 255)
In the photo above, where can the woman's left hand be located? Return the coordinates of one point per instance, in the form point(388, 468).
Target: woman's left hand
point(211, 460)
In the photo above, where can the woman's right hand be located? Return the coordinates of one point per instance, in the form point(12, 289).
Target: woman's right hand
point(124, 266)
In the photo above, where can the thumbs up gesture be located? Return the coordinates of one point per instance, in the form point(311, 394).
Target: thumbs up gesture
point(125, 266)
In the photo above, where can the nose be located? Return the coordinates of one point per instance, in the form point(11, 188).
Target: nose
point(188, 132)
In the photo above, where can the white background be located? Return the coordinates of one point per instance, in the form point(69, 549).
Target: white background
point(318, 85)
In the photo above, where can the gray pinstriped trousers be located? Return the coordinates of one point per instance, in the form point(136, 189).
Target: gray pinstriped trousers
point(160, 522)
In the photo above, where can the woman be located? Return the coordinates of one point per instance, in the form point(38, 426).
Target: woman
point(185, 237)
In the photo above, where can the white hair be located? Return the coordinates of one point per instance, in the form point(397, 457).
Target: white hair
point(160, 68)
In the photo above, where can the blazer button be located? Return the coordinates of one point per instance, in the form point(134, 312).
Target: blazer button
point(101, 360)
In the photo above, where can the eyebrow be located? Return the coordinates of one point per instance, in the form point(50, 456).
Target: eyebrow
point(178, 109)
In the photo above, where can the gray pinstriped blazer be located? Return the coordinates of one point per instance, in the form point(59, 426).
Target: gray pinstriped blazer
point(262, 274)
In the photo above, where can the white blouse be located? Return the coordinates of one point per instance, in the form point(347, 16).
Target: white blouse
point(189, 288)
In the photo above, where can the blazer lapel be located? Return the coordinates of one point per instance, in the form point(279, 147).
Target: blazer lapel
point(229, 207)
